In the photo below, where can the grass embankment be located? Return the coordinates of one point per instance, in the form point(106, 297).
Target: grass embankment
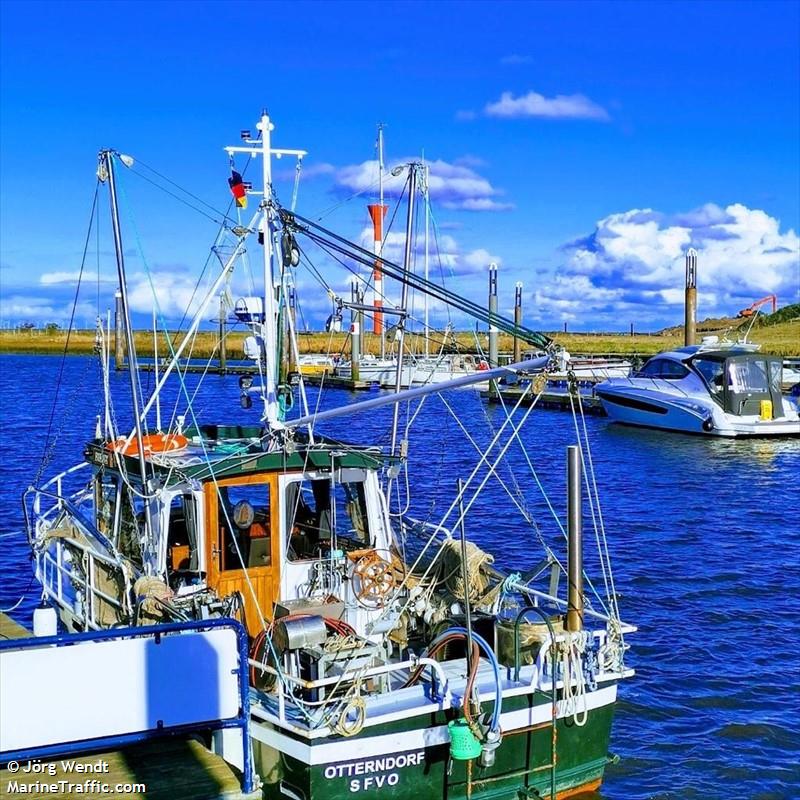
point(781, 338)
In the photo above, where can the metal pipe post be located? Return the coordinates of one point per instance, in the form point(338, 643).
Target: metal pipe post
point(155, 371)
point(690, 307)
point(492, 315)
point(517, 320)
point(465, 574)
point(574, 621)
point(223, 347)
point(119, 334)
point(355, 335)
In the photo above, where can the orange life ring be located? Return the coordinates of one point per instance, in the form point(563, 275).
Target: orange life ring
point(483, 365)
point(158, 443)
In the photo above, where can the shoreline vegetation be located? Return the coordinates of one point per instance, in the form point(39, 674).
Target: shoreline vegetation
point(782, 338)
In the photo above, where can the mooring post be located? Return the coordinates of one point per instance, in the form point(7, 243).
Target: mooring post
point(690, 306)
point(517, 321)
point(119, 333)
point(574, 621)
point(355, 333)
point(223, 347)
point(492, 315)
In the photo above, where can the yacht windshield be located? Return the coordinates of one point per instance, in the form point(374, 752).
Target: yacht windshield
point(712, 372)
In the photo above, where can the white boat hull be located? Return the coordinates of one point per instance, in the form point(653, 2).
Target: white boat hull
point(687, 415)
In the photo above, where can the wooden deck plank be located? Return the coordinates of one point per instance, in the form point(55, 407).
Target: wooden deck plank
point(10, 629)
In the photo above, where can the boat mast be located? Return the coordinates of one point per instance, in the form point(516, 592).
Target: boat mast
point(427, 227)
point(268, 328)
point(379, 245)
point(401, 325)
point(269, 324)
point(107, 167)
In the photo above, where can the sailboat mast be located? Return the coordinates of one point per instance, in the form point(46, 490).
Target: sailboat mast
point(427, 228)
point(401, 325)
point(107, 161)
point(377, 276)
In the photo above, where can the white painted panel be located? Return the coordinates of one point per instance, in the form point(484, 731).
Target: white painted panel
point(66, 693)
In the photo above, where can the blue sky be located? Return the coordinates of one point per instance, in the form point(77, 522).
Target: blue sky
point(584, 146)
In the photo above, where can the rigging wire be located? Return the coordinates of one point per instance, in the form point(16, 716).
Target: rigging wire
point(347, 249)
point(49, 447)
point(200, 211)
point(223, 214)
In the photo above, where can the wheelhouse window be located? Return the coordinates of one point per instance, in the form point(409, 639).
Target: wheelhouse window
point(244, 523)
point(323, 514)
point(182, 554)
point(131, 524)
point(106, 496)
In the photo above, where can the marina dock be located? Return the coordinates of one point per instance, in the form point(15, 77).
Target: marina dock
point(248, 368)
point(553, 397)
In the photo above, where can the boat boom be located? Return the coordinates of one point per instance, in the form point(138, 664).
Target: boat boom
point(480, 376)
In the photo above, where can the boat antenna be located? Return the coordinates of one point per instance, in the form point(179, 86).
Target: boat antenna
point(106, 172)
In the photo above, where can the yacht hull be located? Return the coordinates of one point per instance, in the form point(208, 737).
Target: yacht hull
point(687, 415)
point(410, 759)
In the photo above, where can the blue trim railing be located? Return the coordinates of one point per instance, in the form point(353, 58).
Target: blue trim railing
point(241, 721)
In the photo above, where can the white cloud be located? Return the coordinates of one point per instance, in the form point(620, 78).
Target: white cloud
point(455, 186)
point(533, 104)
point(452, 259)
point(477, 261)
point(307, 172)
point(175, 292)
point(55, 278)
point(634, 262)
point(42, 310)
point(480, 204)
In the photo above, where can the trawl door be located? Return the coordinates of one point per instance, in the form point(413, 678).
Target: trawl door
point(243, 543)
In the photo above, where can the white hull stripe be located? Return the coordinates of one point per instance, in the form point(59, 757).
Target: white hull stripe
point(371, 746)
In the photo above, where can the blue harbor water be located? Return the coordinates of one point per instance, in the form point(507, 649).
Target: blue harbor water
point(704, 537)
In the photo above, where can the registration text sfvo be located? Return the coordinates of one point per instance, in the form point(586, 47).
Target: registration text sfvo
point(372, 773)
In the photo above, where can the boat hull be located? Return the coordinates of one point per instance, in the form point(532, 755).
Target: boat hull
point(411, 763)
point(685, 415)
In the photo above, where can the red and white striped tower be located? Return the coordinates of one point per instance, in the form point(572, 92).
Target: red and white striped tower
point(377, 212)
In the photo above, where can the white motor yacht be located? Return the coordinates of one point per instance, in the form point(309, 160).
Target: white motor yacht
point(708, 389)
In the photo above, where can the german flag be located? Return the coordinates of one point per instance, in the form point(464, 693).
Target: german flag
point(238, 189)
